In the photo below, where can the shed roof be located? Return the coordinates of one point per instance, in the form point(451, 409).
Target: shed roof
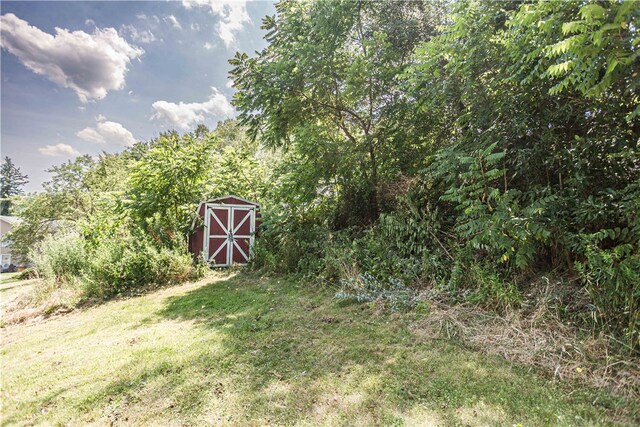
point(220, 200)
point(231, 196)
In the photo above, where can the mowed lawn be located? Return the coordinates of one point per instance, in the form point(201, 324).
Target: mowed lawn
point(245, 350)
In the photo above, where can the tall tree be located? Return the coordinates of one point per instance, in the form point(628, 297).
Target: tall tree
point(167, 183)
point(327, 89)
point(11, 184)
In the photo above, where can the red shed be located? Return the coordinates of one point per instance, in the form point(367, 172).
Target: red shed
point(224, 230)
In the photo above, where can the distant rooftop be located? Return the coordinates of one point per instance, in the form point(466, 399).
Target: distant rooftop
point(13, 220)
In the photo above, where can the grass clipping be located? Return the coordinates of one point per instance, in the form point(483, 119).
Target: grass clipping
point(537, 338)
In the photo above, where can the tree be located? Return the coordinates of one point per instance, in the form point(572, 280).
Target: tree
point(11, 184)
point(327, 89)
point(535, 153)
point(178, 171)
point(238, 166)
point(166, 184)
point(81, 194)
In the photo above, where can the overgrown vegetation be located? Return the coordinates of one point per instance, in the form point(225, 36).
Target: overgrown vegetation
point(469, 153)
point(468, 148)
point(119, 223)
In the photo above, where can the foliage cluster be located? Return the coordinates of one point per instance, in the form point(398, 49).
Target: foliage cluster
point(11, 182)
point(463, 146)
point(120, 222)
point(115, 266)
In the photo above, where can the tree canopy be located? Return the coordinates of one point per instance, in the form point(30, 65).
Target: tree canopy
point(11, 183)
point(483, 141)
point(327, 91)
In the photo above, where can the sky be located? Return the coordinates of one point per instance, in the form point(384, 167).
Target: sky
point(90, 76)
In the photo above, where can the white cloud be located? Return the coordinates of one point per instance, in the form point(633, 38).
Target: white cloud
point(90, 64)
point(100, 118)
point(89, 22)
point(186, 115)
point(173, 21)
point(58, 150)
point(195, 27)
point(145, 36)
point(208, 46)
point(233, 16)
point(106, 132)
point(144, 17)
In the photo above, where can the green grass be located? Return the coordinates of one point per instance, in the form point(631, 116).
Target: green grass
point(8, 277)
point(247, 350)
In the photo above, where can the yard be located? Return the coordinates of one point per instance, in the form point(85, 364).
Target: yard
point(8, 278)
point(246, 350)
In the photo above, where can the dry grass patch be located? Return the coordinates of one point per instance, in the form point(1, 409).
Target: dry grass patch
point(537, 339)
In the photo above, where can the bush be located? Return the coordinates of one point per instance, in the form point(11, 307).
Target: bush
point(119, 264)
point(291, 241)
point(115, 265)
point(612, 279)
point(60, 258)
point(122, 264)
point(173, 266)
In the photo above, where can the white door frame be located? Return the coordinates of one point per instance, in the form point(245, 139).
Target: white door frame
point(230, 243)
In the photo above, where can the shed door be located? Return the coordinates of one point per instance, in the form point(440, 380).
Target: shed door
point(229, 231)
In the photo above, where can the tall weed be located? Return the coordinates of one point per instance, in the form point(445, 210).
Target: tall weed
point(61, 257)
point(114, 265)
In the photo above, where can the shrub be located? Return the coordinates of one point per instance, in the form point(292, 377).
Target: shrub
point(291, 241)
point(122, 264)
point(173, 266)
point(116, 264)
point(119, 264)
point(610, 263)
point(612, 278)
point(264, 257)
point(60, 258)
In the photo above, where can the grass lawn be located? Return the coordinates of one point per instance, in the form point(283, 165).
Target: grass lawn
point(246, 350)
point(8, 277)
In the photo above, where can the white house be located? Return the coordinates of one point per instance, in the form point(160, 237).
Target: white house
point(6, 225)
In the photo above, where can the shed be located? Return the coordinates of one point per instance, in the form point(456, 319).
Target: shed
point(223, 230)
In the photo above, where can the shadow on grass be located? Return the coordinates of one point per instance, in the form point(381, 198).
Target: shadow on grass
point(279, 352)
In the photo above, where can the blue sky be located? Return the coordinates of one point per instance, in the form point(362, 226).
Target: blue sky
point(86, 77)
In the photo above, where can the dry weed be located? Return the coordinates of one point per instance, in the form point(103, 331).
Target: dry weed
point(536, 338)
